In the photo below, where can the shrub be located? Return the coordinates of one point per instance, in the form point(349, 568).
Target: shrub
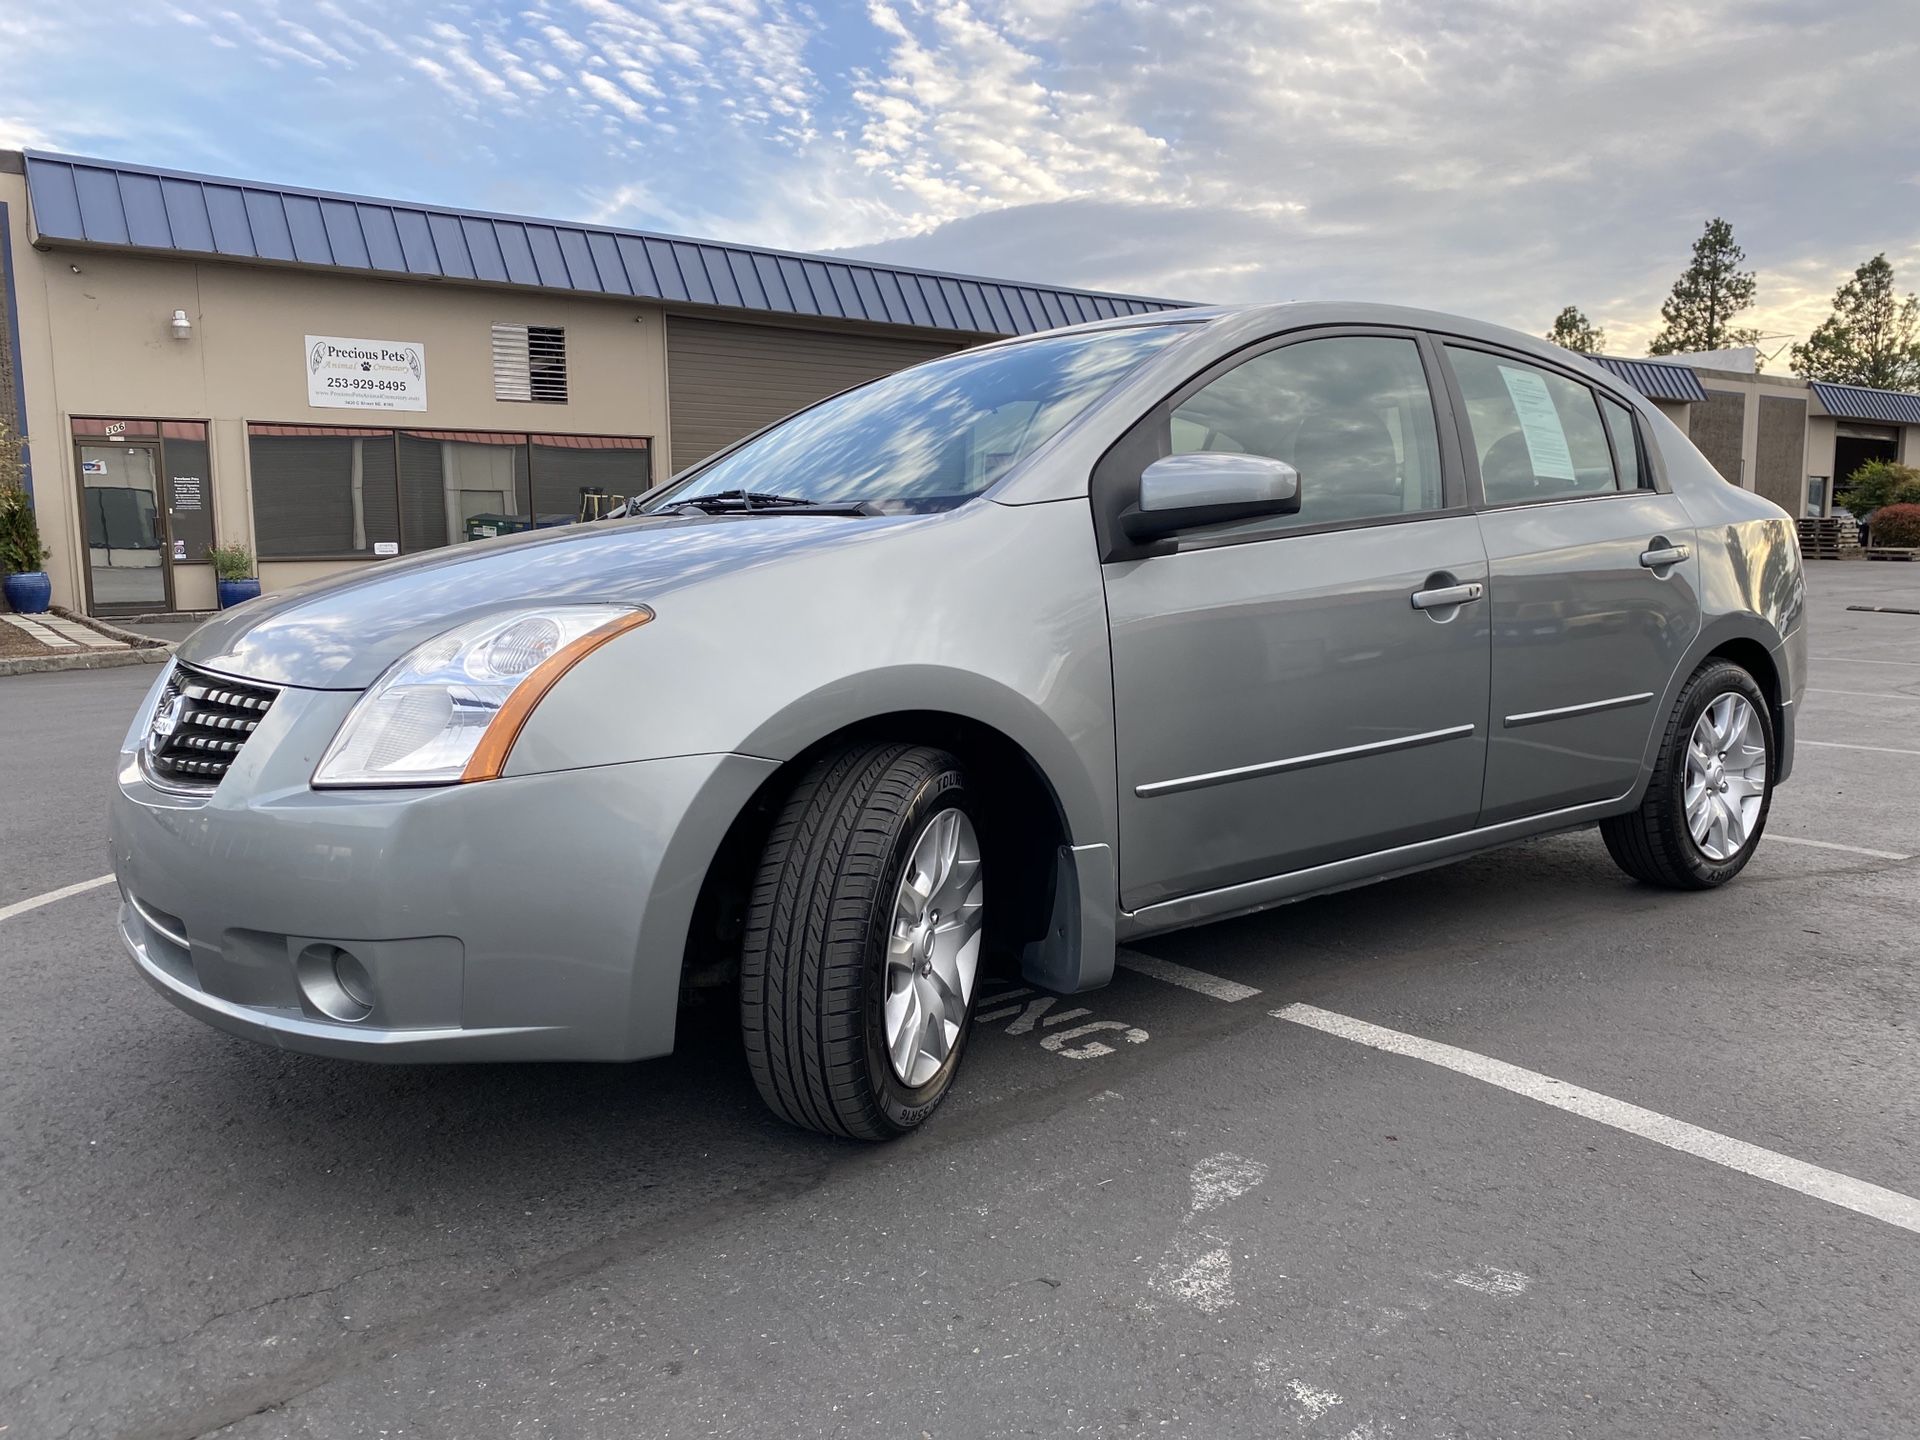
point(1896, 525)
point(231, 562)
point(20, 547)
point(1882, 482)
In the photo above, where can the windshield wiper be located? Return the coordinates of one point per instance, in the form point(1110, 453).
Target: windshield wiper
point(743, 502)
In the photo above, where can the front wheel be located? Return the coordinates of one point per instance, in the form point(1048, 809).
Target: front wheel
point(862, 947)
point(1707, 803)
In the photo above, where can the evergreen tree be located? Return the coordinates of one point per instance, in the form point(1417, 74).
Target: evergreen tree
point(1709, 293)
point(1573, 331)
point(1872, 338)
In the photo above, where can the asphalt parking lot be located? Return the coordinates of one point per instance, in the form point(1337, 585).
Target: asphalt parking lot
point(1178, 1214)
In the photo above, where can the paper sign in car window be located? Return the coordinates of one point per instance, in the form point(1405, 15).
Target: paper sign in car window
point(1540, 424)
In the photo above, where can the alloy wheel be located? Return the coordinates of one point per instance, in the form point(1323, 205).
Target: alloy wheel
point(1726, 776)
point(933, 947)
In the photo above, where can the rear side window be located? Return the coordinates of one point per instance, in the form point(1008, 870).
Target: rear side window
point(1351, 413)
point(1537, 434)
point(1626, 442)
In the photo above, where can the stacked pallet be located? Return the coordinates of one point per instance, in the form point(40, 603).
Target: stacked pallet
point(1826, 537)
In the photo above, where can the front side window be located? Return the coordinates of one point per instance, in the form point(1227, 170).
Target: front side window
point(931, 437)
point(1351, 413)
point(1538, 435)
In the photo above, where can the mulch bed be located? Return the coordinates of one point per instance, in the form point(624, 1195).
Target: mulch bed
point(15, 643)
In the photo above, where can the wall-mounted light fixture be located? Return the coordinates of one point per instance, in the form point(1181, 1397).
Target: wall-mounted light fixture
point(181, 326)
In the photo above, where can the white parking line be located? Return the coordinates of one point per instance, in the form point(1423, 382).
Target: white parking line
point(1861, 694)
point(1205, 984)
point(1830, 1185)
point(1877, 749)
point(20, 907)
point(1830, 845)
point(1857, 660)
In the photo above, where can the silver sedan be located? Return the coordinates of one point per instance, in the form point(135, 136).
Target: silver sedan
point(998, 661)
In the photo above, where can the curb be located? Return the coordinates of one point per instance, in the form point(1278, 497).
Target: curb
point(145, 650)
point(164, 617)
point(131, 637)
point(91, 660)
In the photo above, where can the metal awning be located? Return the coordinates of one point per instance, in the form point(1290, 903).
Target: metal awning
point(1656, 379)
point(1858, 402)
point(101, 203)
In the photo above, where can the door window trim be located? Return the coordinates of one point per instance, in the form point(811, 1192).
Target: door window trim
point(156, 441)
point(1115, 481)
point(1649, 478)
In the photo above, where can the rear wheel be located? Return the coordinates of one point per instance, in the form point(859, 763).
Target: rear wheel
point(1706, 806)
point(862, 943)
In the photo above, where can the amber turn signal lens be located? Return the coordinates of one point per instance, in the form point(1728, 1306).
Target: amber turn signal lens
point(490, 756)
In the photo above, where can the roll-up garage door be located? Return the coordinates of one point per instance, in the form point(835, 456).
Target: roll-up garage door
point(726, 380)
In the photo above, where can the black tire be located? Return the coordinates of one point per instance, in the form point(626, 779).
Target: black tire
point(813, 962)
point(1653, 844)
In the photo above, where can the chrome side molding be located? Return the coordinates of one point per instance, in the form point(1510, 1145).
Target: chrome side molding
point(1299, 762)
point(1567, 712)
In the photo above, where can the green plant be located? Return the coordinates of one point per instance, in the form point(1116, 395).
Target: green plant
point(1897, 526)
point(1882, 482)
point(20, 547)
point(231, 562)
point(13, 459)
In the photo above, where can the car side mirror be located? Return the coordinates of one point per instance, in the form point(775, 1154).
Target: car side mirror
point(1209, 487)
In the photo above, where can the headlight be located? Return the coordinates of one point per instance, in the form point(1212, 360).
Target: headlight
point(452, 708)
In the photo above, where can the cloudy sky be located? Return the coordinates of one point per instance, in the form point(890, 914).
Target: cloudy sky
point(1496, 157)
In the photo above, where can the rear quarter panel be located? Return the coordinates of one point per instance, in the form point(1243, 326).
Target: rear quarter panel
point(1751, 579)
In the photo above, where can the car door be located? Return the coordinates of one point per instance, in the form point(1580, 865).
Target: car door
point(1308, 687)
point(1591, 586)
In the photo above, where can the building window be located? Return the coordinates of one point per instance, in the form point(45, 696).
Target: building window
point(343, 491)
point(530, 363)
point(322, 490)
point(600, 465)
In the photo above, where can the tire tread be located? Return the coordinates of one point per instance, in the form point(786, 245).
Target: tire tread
point(804, 950)
point(1652, 843)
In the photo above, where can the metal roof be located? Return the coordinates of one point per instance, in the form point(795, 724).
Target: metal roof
point(1857, 402)
point(105, 203)
point(1655, 379)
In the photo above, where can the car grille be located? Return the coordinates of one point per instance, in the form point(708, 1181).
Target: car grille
point(200, 724)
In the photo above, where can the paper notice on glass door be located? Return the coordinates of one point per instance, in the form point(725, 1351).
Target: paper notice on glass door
point(1540, 424)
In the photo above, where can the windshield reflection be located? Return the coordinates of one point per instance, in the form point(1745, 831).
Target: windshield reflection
point(934, 436)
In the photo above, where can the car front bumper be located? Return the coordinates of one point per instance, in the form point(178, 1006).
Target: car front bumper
point(536, 917)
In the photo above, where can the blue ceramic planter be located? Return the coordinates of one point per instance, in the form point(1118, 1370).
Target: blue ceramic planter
point(232, 592)
point(28, 593)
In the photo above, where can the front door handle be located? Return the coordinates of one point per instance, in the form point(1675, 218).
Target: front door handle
point(1664, 555)
point(1447, 596)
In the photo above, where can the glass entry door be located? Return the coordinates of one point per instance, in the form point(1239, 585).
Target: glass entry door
point(127, 555)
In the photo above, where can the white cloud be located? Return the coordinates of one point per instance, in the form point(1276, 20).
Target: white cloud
point(604, 89)
point(18, 133)
point(1498, 157)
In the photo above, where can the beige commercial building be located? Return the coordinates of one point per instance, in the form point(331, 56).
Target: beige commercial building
point(330, 380)
point(1797, 442)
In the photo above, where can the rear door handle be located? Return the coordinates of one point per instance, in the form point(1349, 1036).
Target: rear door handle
point(1663, 557)
point(1447, 596)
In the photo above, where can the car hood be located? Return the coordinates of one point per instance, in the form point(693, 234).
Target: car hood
point(342, 632)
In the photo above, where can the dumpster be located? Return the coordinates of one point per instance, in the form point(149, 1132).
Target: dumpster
point(486, 527)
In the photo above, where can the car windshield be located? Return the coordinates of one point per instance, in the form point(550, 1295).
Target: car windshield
point(928, 438)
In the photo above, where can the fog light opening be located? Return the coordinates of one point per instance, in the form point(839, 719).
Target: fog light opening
point(335, 983)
